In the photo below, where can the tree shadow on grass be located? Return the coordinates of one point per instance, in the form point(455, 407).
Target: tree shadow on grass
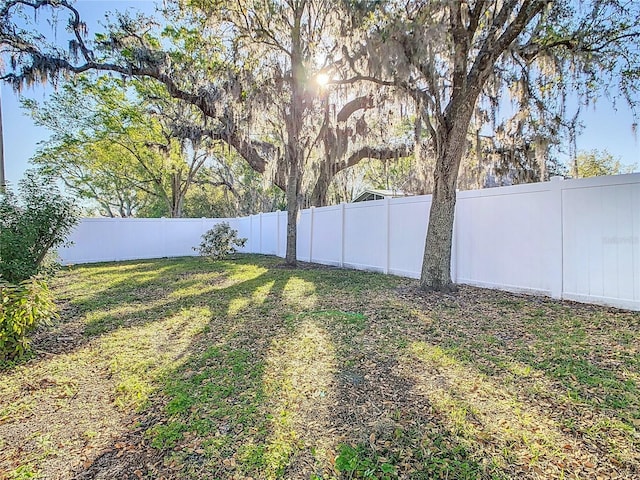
point(212, 397)
point(133, 353)
point(291, 390)
point(501, 371)
point(97, 299)
point(316, 372)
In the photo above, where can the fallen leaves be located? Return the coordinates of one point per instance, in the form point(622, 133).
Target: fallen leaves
point(504, 385)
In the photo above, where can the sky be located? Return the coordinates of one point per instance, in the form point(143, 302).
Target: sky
point(21, 136)
point(606, 128)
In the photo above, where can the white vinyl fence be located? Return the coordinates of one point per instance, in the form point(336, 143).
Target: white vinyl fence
point(571, 239)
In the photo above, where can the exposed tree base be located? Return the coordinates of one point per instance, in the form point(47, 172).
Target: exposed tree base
point(448, 288)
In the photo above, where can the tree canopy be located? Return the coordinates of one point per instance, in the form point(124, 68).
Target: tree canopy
point(118, 145)
point(596, 163)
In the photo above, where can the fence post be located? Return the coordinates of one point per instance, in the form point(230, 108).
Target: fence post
point(311, 216)
point(118, 228)
point(342, 232)
point(453, 266)
point(260, 241)
point(277, 233)
point(387, 227)
point(163, 229)
point(556, 273)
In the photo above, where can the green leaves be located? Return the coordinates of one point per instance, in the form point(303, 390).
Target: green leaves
point(22, 308)
point(220, 242)
point(114, 143)
point(358, 463)
point(596, 163)
point(32, 225)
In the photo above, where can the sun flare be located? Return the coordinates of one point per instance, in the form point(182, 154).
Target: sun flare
point(322, 79)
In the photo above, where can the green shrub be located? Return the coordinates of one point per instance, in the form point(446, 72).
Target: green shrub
point(22, 308)
point(220, 242)
point(32, 223)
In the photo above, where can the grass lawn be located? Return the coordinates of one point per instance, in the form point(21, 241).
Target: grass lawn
point(186, 368)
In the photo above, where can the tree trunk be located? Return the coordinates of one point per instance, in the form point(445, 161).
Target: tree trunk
point(541, 146)
point(436, 266)
point(176, 205)
point(320, 189)
point(294, 155)
point(292, 215)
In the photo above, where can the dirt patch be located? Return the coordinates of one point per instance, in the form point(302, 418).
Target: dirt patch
point(56, 421)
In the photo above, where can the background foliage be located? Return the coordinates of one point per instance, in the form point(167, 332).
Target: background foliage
point(32, 223)
point(23, 307)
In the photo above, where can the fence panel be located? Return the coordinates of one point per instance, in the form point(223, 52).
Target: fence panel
point(269, 233)
point(282, 234)
point(407, 231)
point(601, 249)
point(365, 235)
point(181, 236)
point(303, 244)
point(327, 235)
point(243, 227)
point(503, 238)
point(574, 239)
point(90, 242)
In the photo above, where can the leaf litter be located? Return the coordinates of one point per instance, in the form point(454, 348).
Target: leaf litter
point(319, 373)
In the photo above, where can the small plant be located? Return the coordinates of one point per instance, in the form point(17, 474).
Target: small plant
point(220, 242)
point(22, 308)
point(356, 463)
point(23, 472)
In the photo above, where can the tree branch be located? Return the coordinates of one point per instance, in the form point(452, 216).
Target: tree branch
point(353, 106)
point(380, 153)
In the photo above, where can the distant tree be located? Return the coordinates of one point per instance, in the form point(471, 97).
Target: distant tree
point(120, 144)
point(97, 173)
point(596, 163)
point(229, 187)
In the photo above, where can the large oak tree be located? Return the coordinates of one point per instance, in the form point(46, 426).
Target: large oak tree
point(458, 59)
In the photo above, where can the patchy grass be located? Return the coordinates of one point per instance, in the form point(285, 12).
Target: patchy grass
point(185, 368)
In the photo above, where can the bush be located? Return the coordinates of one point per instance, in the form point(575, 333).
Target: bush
point(220, 242)
point(22, 308)
point(31, 225)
